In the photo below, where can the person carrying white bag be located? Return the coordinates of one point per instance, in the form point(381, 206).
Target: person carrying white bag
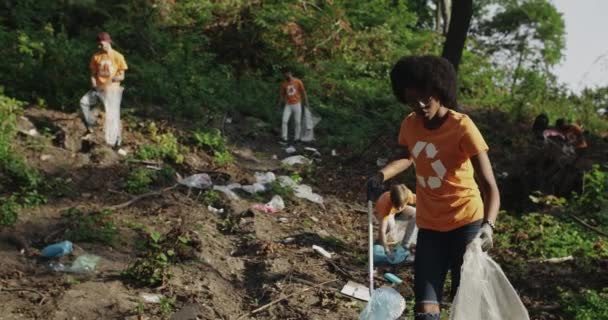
point(485, 293)
point(108, 68)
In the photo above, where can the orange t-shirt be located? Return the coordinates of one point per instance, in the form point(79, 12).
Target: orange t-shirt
point(384, 205)
point(447, 196)
point(292, 91)
point(104, 66)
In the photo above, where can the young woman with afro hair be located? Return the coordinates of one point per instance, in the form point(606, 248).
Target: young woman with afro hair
point(457, 197)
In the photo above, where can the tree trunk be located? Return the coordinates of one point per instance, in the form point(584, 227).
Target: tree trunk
point(438, 10)
point(462, 10)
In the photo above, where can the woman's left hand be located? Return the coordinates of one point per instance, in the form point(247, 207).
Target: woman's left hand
point(485, 234)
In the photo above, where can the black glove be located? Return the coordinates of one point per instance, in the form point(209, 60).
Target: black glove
point(374, 186)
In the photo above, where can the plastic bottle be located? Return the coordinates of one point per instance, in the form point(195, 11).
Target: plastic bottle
point(57, 250)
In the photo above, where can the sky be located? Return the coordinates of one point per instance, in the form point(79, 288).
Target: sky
point(586, 56)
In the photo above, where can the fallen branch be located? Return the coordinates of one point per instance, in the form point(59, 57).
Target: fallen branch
point(266, 306)
point(141, 197)
point(42, 296)
point(590, 227)
point(554, 260)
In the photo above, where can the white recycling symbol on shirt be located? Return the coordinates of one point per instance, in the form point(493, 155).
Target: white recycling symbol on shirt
point(431, 151)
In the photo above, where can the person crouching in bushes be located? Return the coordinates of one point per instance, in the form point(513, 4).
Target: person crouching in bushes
point(395, 205)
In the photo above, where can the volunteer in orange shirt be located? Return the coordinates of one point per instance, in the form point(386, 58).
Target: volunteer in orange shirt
point(395, 205)
point(573, 133)
point(107, 69)
point(448, 152)
point(291, 96)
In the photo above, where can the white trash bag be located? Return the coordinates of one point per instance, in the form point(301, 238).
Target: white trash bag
point(111, 97)
point(485, 292)
point(309, 122)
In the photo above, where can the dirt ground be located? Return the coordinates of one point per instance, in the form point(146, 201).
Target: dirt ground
point(235, 272)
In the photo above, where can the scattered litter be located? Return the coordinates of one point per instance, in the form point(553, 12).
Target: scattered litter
point(300, 190)
point(45, 157)
point(321, 251)
point(324, 234)
point(392, 278)
point(151, 297)
point(57, 250)
point(32, 132)
point(333, 152)
point(22, 252)
point(233, 186)
point(305, 192)
point(276, 204)
point(122, 152)
point(293, 160)
point(265, 177)
point(215, 210)
point(228, 120)
point(290, 150)
point(225, 190)
point(410, 259)
point(274, 157)
point(503, 174)
point(286, 181)
point(199, 181)
point(289, 240)
point(313, 218)
point(381, 162)
point(356, 290)
point(314, 151)
point(254, 188)
point(283, 220)
point(83, 264)
point(385, 303)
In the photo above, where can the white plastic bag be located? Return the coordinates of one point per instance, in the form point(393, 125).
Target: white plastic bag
point(293, 160)
point(385, 304)
point(111, 97)
point(485, 292)
point(199, 181)
point(309, 122)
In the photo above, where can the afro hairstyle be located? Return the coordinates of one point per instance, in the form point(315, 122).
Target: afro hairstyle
point(431, 75)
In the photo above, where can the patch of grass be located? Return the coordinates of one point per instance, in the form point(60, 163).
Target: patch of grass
point(212, 198)
point(586, 305)
point(166, 305)
point(229, 225)
point(308, 223)
point(160, 251)
point(166, 146)
point(140, 179)
point(8, 211)
point(96, 226)
point(213, 143)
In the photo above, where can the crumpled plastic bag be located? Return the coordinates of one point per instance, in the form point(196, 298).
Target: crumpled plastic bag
point(264, 177)
point(276, 204)
point(485, 293)
point(198, 181)
point(385, 304)
point(302, 191)
point(293, 160)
